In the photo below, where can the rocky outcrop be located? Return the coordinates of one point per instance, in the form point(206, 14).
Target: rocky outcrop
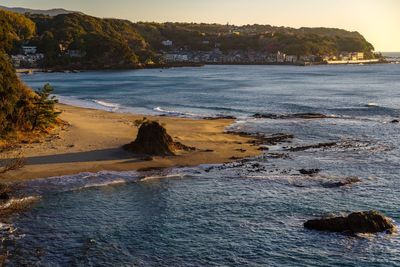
point(5, 192)
point(153, 139)
point(357, 222)
point(346, 182)
point(316, 146)
point(290, 116)
point(310, 172)
point(259, 139)
point(220, 117)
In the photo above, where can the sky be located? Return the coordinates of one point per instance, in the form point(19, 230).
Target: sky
point(377, 20)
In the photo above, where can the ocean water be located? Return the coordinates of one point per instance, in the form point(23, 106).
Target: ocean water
point(247, 213)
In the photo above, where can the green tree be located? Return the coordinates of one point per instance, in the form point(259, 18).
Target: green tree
point(44, 114)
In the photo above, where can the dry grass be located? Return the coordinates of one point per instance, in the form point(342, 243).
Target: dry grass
point(8, 163)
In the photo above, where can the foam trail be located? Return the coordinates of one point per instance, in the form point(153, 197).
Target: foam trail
point(176, 113)
point(79, 181)
point(107, 104)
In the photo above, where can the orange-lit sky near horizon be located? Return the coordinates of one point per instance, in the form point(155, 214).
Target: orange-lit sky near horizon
point(377, 20)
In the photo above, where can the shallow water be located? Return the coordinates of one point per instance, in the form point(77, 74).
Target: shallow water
point(234, 214)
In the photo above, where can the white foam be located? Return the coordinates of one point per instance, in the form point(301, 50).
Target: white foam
point(80, 181)
point(372, 104)
point(176, 113)
point(15, 201)
point(107, 104)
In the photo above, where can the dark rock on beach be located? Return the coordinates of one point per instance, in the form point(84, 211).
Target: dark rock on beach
point(357, 222)
point(153, 139)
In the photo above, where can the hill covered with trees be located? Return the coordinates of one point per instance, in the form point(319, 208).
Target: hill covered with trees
point(113, 43)
point(79, 41)
point(97, 43)
point(266, 38)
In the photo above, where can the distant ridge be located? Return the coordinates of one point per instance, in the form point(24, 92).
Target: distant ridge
point(50, 12)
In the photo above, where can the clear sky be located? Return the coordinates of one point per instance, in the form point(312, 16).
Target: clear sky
point(377, 20)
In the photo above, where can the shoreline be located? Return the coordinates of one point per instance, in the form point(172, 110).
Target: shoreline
point(198, 65)
point(93, 139)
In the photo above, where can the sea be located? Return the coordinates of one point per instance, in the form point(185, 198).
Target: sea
point(246, 213)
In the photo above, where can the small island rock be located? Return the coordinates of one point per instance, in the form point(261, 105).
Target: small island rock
point(357, 222)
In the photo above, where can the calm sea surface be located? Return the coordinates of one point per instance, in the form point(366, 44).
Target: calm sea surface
point(239, 214)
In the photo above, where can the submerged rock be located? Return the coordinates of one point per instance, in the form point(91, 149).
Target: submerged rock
point(277, 138)
point(291, 116)
point(345, 182)
point(320, 145)
point(4, 196)
point(357, 222)
point(310, 172)
point(153, 139)
point(5, 192)
point(220, 117)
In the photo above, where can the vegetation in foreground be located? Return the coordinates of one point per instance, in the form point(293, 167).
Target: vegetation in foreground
point(21, 109)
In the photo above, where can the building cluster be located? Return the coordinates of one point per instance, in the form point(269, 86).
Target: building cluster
point(29, 58)
point(234, 57)
point(345, 56)
point(182, 55)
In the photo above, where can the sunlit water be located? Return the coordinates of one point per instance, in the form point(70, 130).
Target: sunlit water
point(238, 214)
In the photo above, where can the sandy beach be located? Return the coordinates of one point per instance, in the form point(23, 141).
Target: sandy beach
point(92, 142)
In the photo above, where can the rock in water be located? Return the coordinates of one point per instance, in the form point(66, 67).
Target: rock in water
point(153, 139)
point(5, 191)
point(345, 182)
point(309, 172)
point(357, 222)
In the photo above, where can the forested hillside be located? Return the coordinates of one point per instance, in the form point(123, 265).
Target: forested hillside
point(270, 39)
point(79, 41)
point(102, 43)
point(115, 43)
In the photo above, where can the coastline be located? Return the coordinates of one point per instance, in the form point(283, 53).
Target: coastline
point(200, 64)
point(93, 139)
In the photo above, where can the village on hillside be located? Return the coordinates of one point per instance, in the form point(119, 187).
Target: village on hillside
point(30, 58)
point(216, 56)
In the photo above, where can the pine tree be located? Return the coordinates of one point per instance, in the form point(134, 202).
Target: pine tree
point(44, 114)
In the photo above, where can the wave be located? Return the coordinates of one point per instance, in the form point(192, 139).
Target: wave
point(18, 202)
point(79, 181)
point(177, 113)
point(107, 104)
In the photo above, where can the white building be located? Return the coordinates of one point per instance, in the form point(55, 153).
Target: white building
point(167, 43)
point(280, 57)
point(28, 50)
point(176, 57)
point(291, 58)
